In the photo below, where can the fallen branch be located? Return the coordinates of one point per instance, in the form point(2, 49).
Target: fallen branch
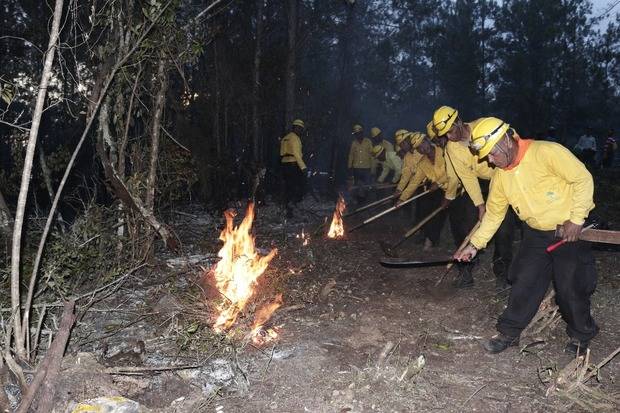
point(473, 394)
point(48, 369)
point(128, 371)
point(547, 317)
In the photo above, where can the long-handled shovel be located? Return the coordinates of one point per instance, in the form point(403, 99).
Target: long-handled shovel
point(372, 186)
point(463, 245)
point(387, 211)
point(358, 210)
point(389, 249)
point(372, 204)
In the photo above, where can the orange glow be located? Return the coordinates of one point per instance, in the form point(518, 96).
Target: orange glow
point(262, 315)
point(336, 229)
point(240, 266)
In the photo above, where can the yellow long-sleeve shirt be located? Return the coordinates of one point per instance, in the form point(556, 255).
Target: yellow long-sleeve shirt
point(392, 163)
point(548, 186)
point(435, 172)
point(387, 145)
point(360, 154)
point(468, 169)
point(290, 150)
point(410, 164)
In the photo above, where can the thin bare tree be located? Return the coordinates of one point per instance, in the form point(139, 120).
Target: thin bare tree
point(291, 57)
point(25, 182)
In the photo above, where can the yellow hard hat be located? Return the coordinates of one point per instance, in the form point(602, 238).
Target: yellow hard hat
point(357, 128)
point(486, 134)
point(443, 119)
point(430, 130)
point(377, 150)
point(399, 135)
point(374, 132)
point(416, 139)
point(299, 122)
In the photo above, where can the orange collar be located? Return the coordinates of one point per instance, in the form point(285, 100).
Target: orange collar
point(523, 145)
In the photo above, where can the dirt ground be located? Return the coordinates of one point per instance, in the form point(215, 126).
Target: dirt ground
point(354, 336)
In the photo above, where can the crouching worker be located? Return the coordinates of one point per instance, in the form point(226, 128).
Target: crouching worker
point(547, 186)
point(389, 162)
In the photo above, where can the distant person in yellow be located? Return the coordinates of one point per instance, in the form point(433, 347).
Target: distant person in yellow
point(377, 138)
point(293, 166)
point(547, 186)
point(390, 162)
point(360, 162)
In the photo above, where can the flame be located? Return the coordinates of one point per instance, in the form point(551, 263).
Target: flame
point(239, 268)
point(336, 229)
point(259, 335)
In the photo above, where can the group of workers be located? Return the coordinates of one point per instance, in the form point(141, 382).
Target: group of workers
point(542, 183)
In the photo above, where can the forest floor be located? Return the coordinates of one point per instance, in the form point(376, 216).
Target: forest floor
point(351, 332)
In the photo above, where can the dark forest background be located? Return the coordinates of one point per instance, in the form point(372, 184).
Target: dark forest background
point(233, 77)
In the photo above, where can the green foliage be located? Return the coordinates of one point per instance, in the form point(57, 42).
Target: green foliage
point(89, 253)
point(177, 174)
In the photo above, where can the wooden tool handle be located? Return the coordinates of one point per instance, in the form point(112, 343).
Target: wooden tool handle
point(387, 211)
point(372, 204)
point(423, 222)
point(554, 246)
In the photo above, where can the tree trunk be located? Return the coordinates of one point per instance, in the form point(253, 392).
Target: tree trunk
point(483, 56)
point(47, 178)
point(162, 78)
point(260, 6)
point(345, 91)
point(6, 219)
point(120, 190)
point(25, 183)
point(290, 61)
point(216, 113)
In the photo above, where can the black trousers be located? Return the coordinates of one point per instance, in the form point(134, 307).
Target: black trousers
point(294, 183)
point(504, 238)
point(570, 267)
point(361, 178)
point(463, 215)
point(427, 204)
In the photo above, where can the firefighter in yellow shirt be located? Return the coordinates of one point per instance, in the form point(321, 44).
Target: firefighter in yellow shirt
point(360, 162)
point(390, 162)
point(293, 166)
point(468, 169)
point(377, 138)
point(547, 186)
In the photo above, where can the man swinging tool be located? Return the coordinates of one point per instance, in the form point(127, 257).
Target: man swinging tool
point(468, 168)
point(547, 186)
point(432, 166)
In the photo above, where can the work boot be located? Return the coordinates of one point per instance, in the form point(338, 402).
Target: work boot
point(577, 347)
point(499, 343)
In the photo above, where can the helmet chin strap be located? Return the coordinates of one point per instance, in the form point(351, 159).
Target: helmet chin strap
point(504, 151)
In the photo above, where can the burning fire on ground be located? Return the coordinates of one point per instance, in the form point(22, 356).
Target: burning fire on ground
point(259, 335)
point(237, 272)
point(336, 229)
